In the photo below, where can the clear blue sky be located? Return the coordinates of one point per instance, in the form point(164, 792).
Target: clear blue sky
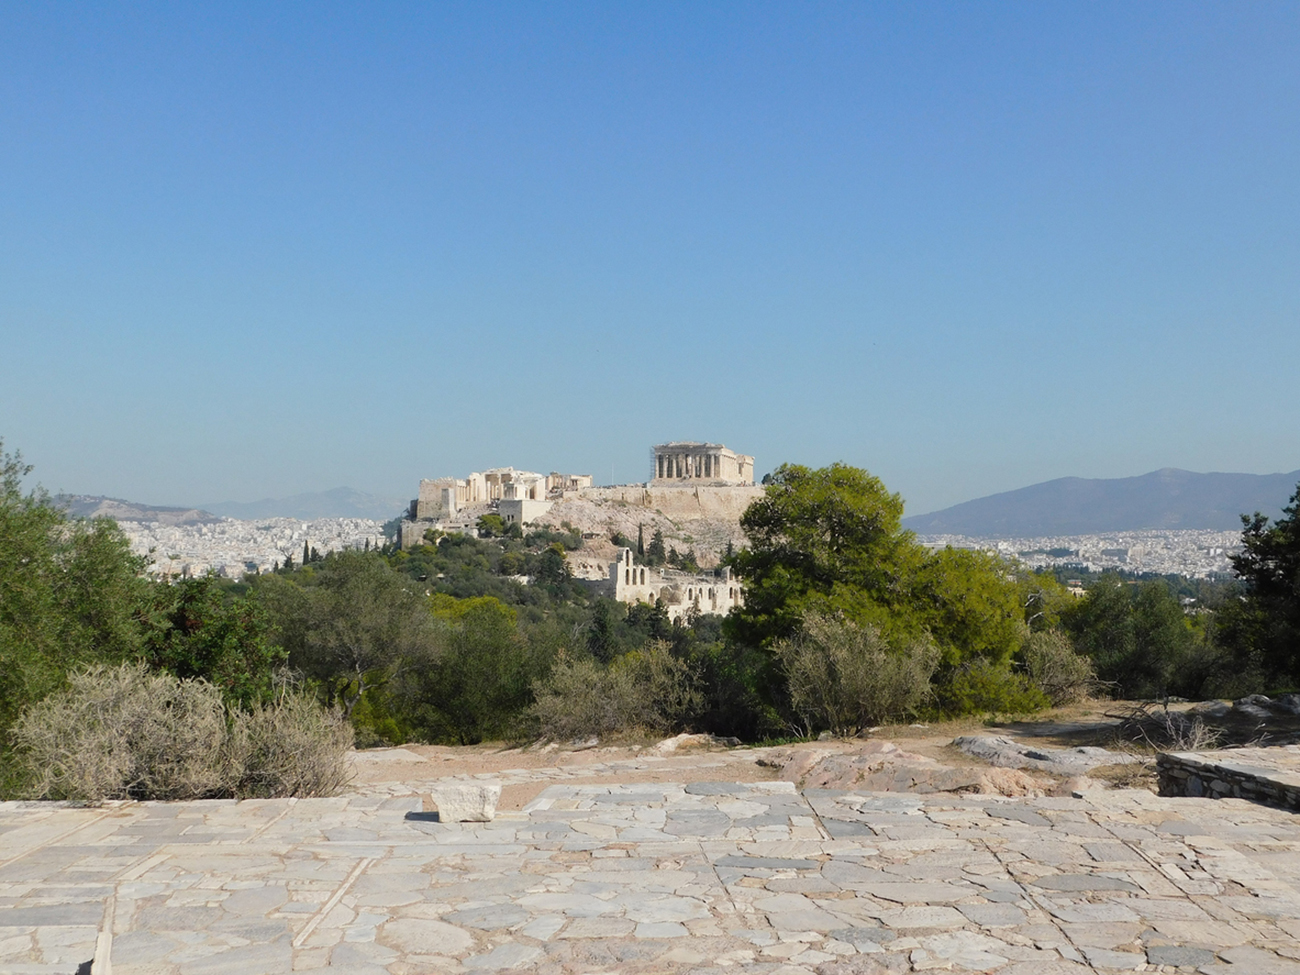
point(253, 249)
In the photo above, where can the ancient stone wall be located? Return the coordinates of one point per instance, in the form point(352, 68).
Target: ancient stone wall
point(1219, 775)
point(681, 501)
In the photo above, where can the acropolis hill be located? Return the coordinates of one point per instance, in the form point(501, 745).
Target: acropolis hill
point(695, 495)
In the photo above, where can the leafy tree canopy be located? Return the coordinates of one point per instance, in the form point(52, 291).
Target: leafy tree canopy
point(830, 541)
point(1137, 636)
point(70, 593)
point(354, 623)
point(1264, 628)
point(202, 631)
point(826, 540)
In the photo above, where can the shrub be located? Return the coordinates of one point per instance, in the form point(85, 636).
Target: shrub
point(127, 733)
point(575, 701)
point(662, 692)
point(647, 689)
point(846, 677)
point(290, 747)
point(1055, 669)
point(988, 687)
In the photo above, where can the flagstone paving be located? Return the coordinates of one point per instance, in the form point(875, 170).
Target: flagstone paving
point(705, 877)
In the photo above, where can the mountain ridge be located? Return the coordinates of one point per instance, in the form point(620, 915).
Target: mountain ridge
point(119, 509)
point(1169, 498)
point(339, 502)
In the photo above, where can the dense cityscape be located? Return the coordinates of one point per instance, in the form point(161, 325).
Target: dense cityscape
point(1196, 554)
point(230, 547)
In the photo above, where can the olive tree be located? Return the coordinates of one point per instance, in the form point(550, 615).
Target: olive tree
point(353, 625)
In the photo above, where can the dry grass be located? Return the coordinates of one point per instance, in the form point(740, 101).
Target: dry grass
point(1132, 775)
point(1158, 728)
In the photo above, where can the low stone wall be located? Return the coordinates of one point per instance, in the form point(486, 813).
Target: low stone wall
point(1219, 775)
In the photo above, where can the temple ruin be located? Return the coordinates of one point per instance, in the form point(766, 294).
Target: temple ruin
point(686, 475)
point(688, 460)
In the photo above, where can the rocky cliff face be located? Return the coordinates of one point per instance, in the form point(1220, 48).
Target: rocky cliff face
point(703, 518)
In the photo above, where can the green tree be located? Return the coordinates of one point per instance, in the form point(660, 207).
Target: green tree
point(829, 543)
point(655, 553)
point(551, 570)
point(828, 540)
point(602, 641)
point(1263, 630)
point(491, 526)
point(354, 627)
point(201, 632)
point(1044, 600)
point(971, 604)
point(478, 683)
point(70, 593)
point(1136, 635)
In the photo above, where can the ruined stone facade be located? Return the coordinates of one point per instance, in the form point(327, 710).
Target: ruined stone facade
point(679, 592)
point(454, 504)
point(691, 479)
point(444, 496)
point(689, 461)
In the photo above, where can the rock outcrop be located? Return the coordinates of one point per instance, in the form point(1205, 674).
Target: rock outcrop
point(1009, 753)
point(881, 766)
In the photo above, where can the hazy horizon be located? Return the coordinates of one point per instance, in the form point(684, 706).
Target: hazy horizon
point(253, 252)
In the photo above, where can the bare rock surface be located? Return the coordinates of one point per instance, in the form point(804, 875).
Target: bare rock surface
point(1008, 753)
point(881, 766)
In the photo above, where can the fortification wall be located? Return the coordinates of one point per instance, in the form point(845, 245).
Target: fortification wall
point(681, 503)
point(702, 518)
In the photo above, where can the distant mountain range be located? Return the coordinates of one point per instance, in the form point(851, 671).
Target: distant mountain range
point(1168, 498)
point(341, 502)
point(95, 506)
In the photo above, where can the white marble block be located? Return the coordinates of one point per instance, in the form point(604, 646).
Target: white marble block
point(466, 802)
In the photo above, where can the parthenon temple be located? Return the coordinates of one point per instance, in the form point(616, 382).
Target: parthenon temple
point(691, 461)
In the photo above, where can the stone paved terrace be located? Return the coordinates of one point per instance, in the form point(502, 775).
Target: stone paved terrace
point(707, 877)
